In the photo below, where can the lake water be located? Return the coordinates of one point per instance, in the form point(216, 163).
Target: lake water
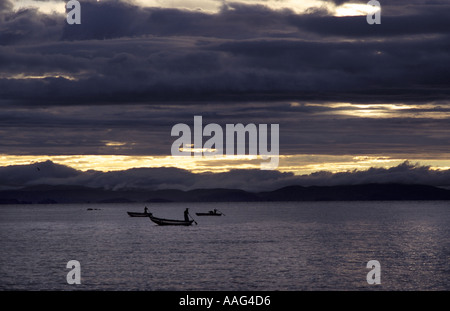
point(291, 246)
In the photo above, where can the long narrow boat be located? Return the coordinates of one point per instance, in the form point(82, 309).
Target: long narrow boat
point(136, 214)
point(210, 213)
point(169, 222)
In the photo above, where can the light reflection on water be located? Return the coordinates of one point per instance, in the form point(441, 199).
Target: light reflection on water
point(256, 246)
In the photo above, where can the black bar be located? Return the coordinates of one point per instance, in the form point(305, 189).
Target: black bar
point(219, 300)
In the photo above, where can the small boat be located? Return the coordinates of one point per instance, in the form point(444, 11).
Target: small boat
point(210, 213)
point(136, 214)
point(169, 222)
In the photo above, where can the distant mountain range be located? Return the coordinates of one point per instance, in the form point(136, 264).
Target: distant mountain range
point(47, 194)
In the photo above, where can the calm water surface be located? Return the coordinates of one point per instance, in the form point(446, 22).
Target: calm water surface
point(256, 246)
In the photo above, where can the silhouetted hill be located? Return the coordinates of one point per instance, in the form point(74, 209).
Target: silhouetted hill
point(368, 192)
point(70, 194)
point(221, 195)
point(78, 194)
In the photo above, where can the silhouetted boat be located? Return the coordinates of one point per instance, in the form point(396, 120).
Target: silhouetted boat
point(136, 214)
point(169, 222)
point(210, 213)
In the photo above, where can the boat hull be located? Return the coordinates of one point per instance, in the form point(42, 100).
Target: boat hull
point(170, 222)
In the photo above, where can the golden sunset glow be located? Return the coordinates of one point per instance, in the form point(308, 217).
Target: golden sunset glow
point(22, 76)
point(429, 110)
point(214, 6)
point(48, 7)
point(355, 9)
point(297, 164)
point(114, 143)
point(197, 150)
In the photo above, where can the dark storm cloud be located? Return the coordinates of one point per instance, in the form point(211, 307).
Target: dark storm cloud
point(304, 129)
point(260, 69)
point(5, 6)
point(115, 19)
point(27, 25)
point(86, 130)
point(123, 53)
point(250, 180)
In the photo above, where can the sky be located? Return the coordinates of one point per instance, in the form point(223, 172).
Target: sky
point(95, 103)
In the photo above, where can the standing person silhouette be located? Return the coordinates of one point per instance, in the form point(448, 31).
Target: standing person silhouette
point(186, 214)
point(146, 210)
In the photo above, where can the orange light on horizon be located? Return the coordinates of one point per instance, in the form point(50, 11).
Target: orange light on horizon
point(299, 164)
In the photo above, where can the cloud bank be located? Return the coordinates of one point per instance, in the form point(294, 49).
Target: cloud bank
point(126, 53)
point(48, 173)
